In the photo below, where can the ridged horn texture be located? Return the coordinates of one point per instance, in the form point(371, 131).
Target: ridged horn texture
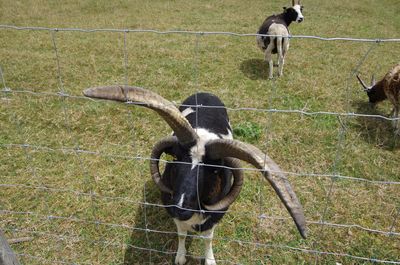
point(178, 123)
point(366, 88)
point(373, 80)
point(156, 153)
point(235, 189)
point(220, 148)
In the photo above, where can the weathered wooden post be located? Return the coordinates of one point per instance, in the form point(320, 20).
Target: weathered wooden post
point(7, 256)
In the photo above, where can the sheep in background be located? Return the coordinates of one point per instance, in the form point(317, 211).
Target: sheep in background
point(387, 88)
point(278, 27)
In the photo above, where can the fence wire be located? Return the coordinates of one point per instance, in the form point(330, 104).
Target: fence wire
point(250, 109)
point(90, 182)
point(72, 150)
point(379, 40)
point(258, 244)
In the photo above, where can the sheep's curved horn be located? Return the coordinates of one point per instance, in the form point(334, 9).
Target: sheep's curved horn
point(156, 153)
point(221, 148)
point(373, 80)
point(366, 88)
point(178, 123)
point(293, 3)
point(235, 189)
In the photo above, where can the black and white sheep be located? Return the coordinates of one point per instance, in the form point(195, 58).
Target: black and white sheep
point(277, 26)
point(387, 88)
point(205, 177)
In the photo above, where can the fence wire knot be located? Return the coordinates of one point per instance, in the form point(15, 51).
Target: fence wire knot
point(62, 94)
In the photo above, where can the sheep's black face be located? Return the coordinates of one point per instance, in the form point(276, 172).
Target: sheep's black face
point(295, 13)
point(192, 185)
point(187, 181)
point(376, 95)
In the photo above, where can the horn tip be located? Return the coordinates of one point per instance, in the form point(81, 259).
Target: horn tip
point(87, 92)
point(106, 92)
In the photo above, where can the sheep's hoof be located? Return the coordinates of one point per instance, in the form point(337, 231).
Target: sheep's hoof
point(210, 262)
point(180, 259)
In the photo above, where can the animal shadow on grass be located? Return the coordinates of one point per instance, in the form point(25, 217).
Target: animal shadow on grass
point(255, 69)
point(153, 247)
point(375, 130)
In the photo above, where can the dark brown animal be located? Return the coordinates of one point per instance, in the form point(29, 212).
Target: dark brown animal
point(387, 88)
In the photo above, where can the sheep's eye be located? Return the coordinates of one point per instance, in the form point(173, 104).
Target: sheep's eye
point(301, 8)
point(170, 157)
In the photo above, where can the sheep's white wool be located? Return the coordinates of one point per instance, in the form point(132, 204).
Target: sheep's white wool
point(183, 227)
point(196, 219)
point(198, 151)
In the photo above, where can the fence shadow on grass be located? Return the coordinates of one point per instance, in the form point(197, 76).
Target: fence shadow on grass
point(376, 131)
point(141, 244)
point(255, 69)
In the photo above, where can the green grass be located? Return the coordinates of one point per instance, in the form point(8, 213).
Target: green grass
point(317, 77)
point(248, 132)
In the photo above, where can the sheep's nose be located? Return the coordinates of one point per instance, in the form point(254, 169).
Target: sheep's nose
point(300, 19)
point(183, 215)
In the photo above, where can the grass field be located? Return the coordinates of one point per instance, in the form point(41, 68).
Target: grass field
point(73, 172)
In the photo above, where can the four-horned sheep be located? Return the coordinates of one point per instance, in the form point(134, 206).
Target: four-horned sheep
point(205, 177)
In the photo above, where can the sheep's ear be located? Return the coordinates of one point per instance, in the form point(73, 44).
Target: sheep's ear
point(284, 8)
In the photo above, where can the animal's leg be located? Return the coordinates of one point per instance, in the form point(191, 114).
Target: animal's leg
point(180, 258)
point(281, 59)
point(392, 112)
point(209, 254)
point(268, 58)
point(285, 48)
point(395, 112)
point(396, 122)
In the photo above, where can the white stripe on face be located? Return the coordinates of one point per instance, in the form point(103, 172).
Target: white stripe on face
point(198, 151)
point(187, 111)
point(300, 16)
point(180, 203)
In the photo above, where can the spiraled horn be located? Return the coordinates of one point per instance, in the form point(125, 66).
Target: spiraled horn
point(156, 153)
point(220, 148)
point(234, 192)
point(149, 99)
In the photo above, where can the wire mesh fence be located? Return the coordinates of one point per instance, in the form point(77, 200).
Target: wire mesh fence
point(87, 199)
